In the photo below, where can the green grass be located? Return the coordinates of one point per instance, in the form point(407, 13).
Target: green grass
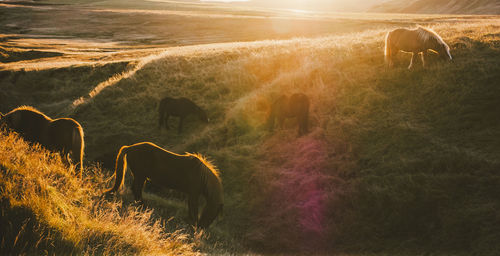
point(397, 162)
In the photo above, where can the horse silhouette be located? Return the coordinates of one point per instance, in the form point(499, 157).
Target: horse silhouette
point(416, 41)
point(180, 107)
point(64, 135)
point(188, 173)
point(283, 107)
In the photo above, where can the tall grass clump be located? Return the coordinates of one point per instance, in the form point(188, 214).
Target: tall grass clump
point(46, 209)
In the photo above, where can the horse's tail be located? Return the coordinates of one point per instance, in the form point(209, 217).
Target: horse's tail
point(388, 52)
point(77, 148)
point(120, 167)
point(161, 113)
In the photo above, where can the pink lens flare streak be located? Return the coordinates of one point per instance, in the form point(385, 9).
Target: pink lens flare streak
point(300, 185)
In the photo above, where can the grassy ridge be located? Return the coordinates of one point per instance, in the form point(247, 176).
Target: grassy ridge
point(396, 160)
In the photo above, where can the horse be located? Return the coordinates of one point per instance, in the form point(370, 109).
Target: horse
point(190, 173)
point(64, 135)
point(180, 107)
point(296, 105)
point(416, 41)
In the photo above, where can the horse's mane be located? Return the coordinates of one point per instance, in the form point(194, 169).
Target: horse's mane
point(213, 184)
point(425, 34)
point(209, 165)
point(32, 109)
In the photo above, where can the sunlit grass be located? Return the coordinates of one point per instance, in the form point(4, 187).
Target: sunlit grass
point(235, 82)
point(396, 161)
point(45, 207)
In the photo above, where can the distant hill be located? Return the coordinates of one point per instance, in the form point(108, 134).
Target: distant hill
point(439, 6)
point(314, 5)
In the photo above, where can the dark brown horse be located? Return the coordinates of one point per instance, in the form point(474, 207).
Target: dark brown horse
point(296, 105)
point(416, 41)
point(180, 107)
point(189, 173)
point(63, 135)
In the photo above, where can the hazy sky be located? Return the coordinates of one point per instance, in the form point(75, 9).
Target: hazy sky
point(327, 5)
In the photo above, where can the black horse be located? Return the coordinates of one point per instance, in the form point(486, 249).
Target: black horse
point(180, 107)
point(296, 105)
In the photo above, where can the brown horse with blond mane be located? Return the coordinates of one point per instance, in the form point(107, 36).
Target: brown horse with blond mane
point(416, 41)
point(188, 173)
point(64, 135)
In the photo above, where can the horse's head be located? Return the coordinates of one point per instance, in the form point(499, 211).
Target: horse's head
point(444, 51)
point(438, 45)
point(433, 41)
point(203, 115)
point(209, 214)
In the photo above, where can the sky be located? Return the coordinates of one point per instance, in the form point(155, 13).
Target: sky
point(326, 5)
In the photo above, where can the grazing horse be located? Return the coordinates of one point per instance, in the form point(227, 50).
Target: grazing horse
point(188, 173)
point(63, 135)
point(180, 107)
point(296, 105)
point(416, 41)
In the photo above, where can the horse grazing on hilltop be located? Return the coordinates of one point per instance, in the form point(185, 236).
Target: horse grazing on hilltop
point(416, 41)
point(296, 105)
point(188, 173)
point(64, 135)
point(180, 107)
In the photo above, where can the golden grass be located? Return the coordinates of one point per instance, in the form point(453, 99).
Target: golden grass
point(70, 212)
point(355, 101)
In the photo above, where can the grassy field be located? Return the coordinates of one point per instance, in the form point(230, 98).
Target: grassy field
point(396, 162)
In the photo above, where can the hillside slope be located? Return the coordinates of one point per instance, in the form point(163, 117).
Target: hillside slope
point(439, 6)
point(395, 161)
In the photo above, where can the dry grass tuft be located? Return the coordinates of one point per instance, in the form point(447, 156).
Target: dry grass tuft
point(45, 208)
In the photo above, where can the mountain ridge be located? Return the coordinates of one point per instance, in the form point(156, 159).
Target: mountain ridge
point(439, 6)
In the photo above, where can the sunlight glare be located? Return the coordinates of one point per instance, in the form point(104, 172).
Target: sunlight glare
point(224, 1)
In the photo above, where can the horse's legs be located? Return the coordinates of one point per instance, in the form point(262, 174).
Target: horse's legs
point(166, 121)
point(137, 186)
point(160, 120)
point(303, 125)
point(193, 208)
point(180, 124)
point(424, 54)
point(270, 123)
point(392, 56)
point(413, 58)
point(281, 120)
